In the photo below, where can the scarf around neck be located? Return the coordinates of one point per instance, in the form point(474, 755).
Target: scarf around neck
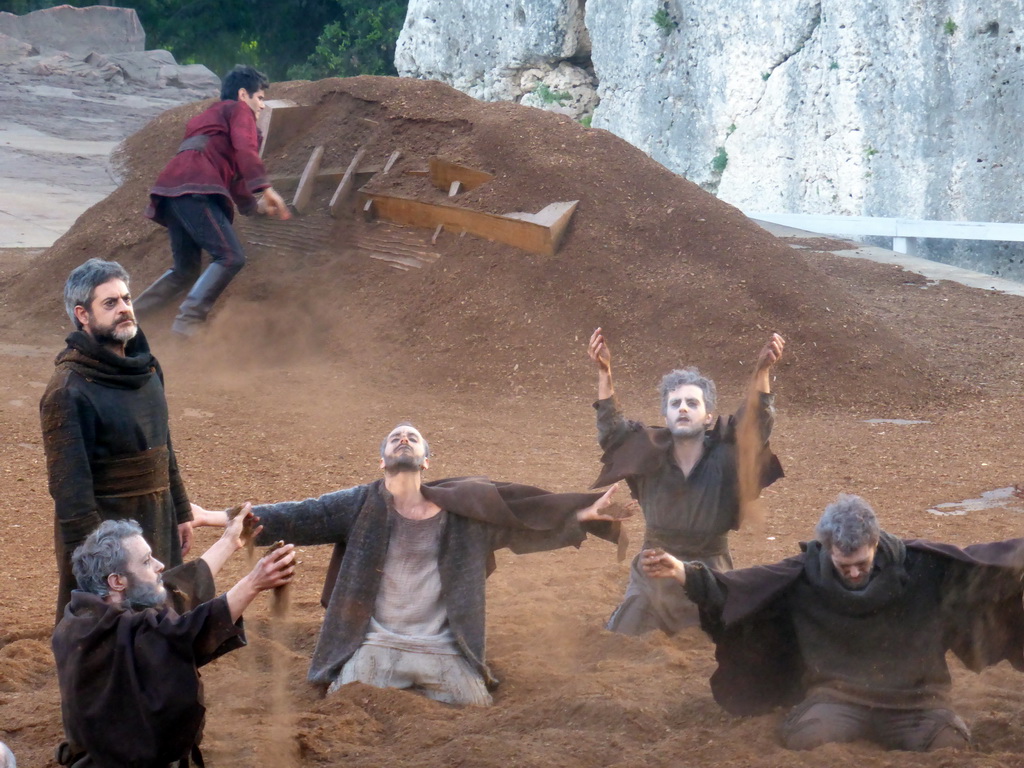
point(95, 362)
point(888, 578)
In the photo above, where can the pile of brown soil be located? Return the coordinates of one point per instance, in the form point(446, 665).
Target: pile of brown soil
point(674, 276)
point(315, 353)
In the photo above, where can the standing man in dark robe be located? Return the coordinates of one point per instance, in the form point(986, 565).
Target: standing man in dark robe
point(854, 630)
point(216, 168)
point(685, 475)
point(405, 590)
point(133, 637)
point(105, 430)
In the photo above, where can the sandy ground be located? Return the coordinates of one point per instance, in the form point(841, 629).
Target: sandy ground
point(296, 406)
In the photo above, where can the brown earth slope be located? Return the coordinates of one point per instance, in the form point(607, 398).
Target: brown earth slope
point(316, 352)
point(669, 269)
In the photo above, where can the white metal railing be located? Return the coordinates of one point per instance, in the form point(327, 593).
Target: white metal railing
point(900, 230)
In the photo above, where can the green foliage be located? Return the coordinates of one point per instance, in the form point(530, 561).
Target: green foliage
point(551, 97)
point(310, 38)
point(663, 20)
point(834, 65)
point(720, 160)
point(362, 42)
point(950, 27)
point(870, 151)
point(765, 75)
point(730, 130)
point(586, 120)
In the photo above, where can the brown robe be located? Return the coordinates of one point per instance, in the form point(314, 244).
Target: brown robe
point(108, 450)
point(483, 517)
point(941, 598)
point(129, 681)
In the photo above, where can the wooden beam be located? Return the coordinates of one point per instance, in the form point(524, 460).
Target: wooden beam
point(304, 192)
point(346, 183)
point(455, 188)
point(392, 160)
point(324, 176)
point(284, 123)
point(443, 173)
point(528, 234)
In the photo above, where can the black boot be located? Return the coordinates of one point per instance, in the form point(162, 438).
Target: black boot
point(166, 289)
point(201, 298)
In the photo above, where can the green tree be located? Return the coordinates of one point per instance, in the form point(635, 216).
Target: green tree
point(300, 38)
point(361, 42)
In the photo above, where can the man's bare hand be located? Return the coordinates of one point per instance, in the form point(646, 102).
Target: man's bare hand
point(272, 204)
point(275, 569)
point(599, 510)
point(242, 526)
point(185, 537)
point(771, 352)
point(659, 564)
point(599, 351)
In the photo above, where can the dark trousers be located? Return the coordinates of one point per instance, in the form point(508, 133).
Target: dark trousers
point(195, 223)
point(817, 722)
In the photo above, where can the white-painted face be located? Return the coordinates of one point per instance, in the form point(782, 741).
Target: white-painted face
point(685, 413)
point(854, 569)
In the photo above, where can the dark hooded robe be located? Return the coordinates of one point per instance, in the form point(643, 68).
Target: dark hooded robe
point(788, 630)
point(108, 450)
point(131, 696)
point(689, 516)
point(483, 517)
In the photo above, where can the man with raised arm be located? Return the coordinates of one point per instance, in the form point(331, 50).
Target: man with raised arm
point(405, 590)
point(685, 475)
point(854, 630)
point(217, 168)
point(133, 637)
point(105, 428)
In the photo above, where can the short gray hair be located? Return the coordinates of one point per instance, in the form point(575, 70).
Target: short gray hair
point(680, 377)
point(848, 524)
point(83, 281)
point(384, 442)
point(102, 554)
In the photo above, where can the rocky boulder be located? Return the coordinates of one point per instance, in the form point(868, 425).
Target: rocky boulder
point(77, 30)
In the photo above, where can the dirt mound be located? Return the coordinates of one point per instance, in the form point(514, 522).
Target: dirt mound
point(673, 275)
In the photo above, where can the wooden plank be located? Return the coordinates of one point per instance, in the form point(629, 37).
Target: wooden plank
point(304, 192)
point(443, 173)
point(346, 183)
point(392, 160)
point(324, 176)
point(455, 188)
point(528, 235)
point(283, 124)
point(555, 216)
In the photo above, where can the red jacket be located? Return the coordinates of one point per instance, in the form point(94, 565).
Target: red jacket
point(220, 155)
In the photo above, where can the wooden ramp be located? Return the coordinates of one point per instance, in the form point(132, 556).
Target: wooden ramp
point(540, 232)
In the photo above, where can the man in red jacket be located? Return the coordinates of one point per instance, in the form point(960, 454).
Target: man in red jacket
point(216, 168)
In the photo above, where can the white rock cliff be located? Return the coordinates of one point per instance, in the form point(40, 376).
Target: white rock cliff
point(863, 107)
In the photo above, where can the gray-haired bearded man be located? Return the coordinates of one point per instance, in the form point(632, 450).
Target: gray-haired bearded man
point(133, 637)
point(686, 476)
point(854, 630)
point(105, 427)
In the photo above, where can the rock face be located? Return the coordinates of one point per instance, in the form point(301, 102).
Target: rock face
point(802, 106)
point(536, 52)
point(78, 30)
point(97, 43)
